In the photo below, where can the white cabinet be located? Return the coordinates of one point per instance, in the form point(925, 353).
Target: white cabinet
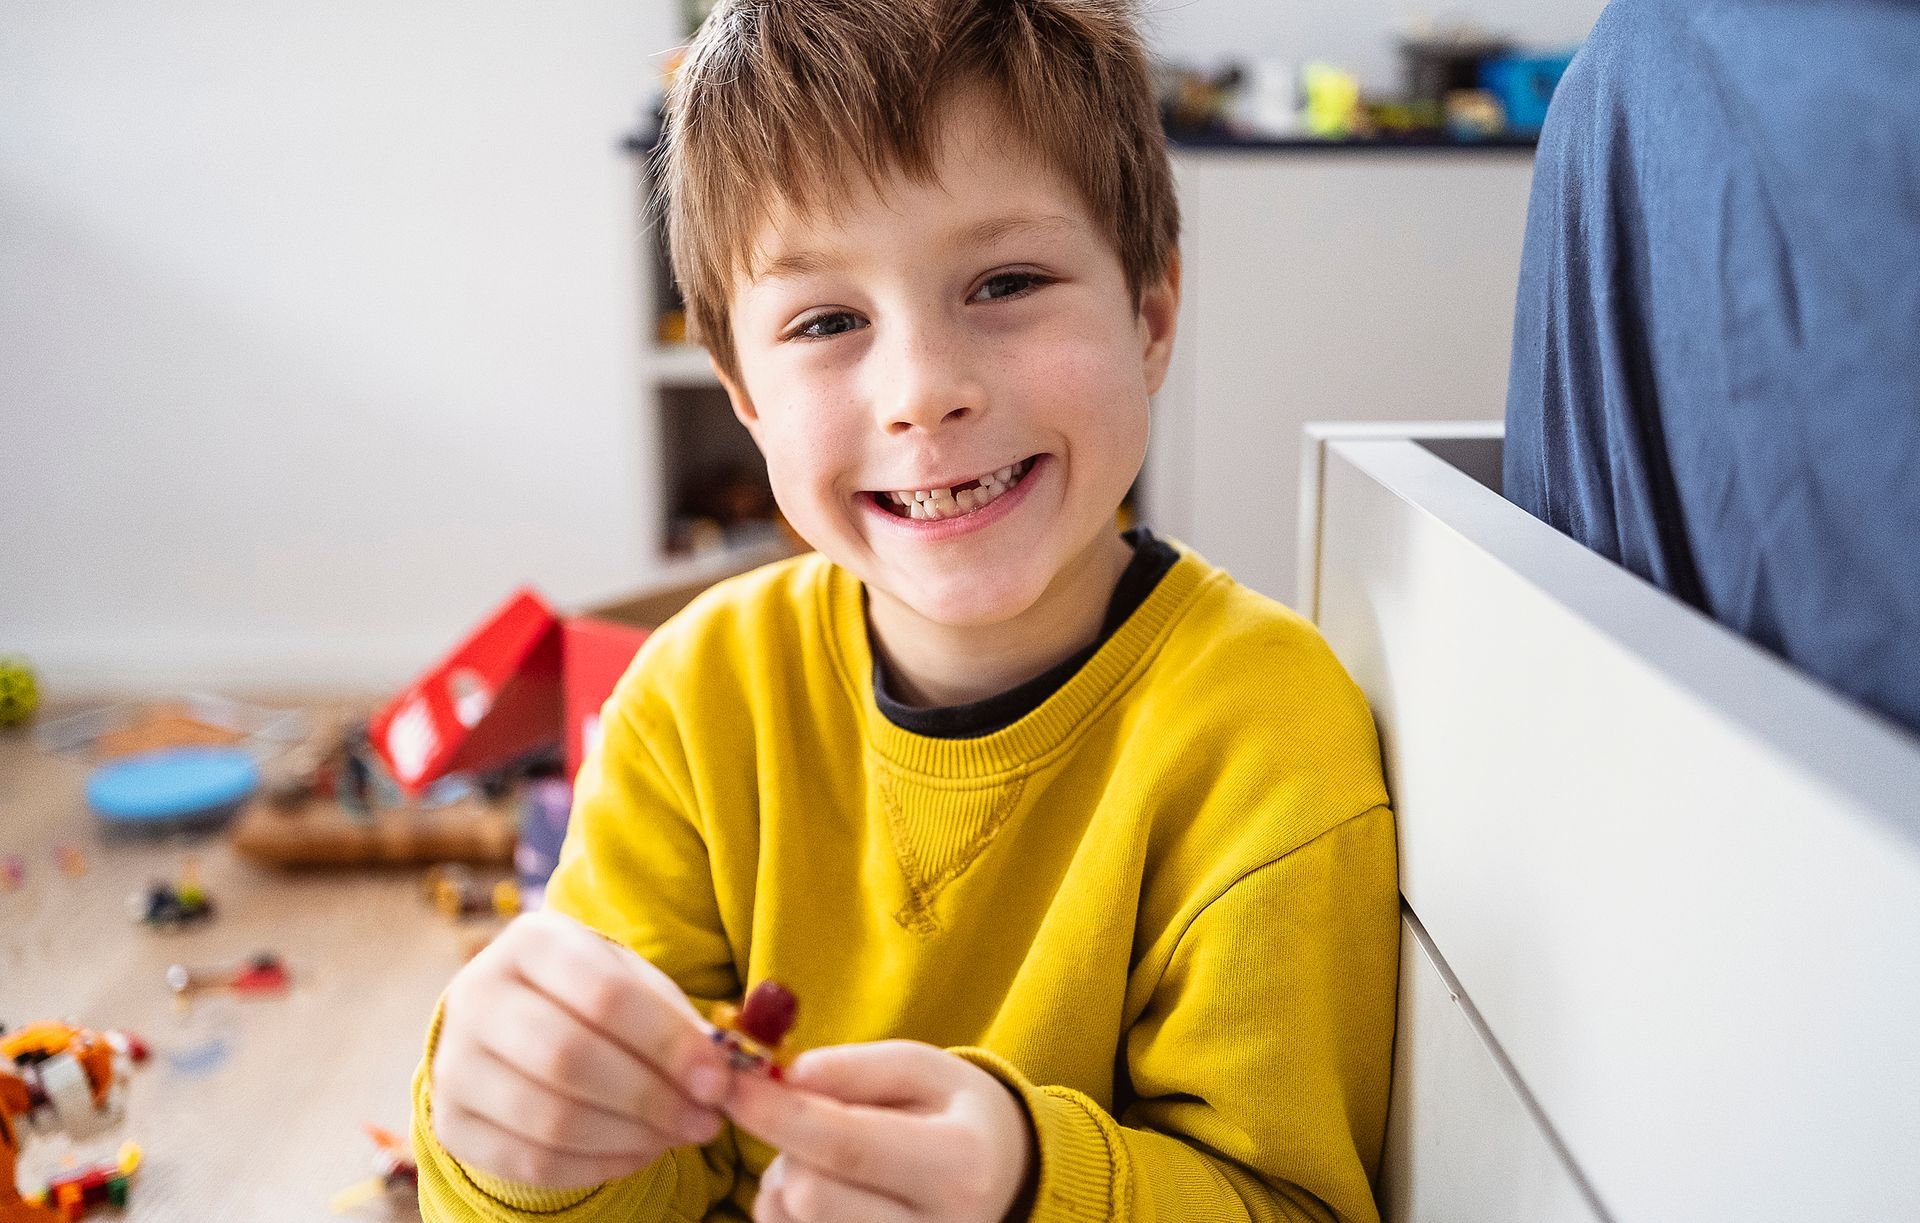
point(1324, 284)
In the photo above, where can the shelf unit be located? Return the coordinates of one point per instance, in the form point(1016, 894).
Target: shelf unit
point(716, 500)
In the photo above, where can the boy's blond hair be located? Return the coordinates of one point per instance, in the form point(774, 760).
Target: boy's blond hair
point(796, 101)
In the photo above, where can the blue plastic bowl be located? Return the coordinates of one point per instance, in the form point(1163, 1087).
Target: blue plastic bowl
point(191, 785)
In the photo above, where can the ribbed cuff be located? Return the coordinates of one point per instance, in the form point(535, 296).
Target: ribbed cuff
point(451, 1190)
point(1083, 1163)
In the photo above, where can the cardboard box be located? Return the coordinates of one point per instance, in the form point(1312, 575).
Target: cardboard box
point(594, 655)
point(526, 678)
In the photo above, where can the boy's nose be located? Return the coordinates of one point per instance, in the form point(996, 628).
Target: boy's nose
point(929, 417)
point(927, 387)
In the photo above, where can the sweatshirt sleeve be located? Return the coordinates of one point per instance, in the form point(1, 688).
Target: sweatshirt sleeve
point(635, 868)
point(1259, 1069)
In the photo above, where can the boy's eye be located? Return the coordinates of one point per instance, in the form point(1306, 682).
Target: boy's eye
point(1003, 285)
point(825, 326)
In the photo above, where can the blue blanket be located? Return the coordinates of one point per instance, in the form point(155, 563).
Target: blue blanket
point(1716, 360)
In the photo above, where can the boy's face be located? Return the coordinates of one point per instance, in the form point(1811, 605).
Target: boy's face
point(970, 340)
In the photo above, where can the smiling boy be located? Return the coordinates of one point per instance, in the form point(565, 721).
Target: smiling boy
point(1075, 852)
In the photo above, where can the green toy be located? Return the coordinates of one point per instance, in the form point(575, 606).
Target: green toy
point(19, 691)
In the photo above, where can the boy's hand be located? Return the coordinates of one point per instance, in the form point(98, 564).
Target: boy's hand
point(885, 1133)
point(565, 1061)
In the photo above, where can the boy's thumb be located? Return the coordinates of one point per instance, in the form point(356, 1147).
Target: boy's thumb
point(889, 1074)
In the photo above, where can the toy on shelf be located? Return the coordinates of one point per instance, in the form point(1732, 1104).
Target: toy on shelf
point(394, 1174)
point(170, 906)
point(453, 889)
point(754, 1034)
point(259, 974)
point(61, 1078)
point(19, 691)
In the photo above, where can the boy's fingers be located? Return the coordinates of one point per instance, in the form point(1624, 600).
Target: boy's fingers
point(480, 1142)
point(505, 1095)
point(550, 1046)
point(893, 1153)
point(804, 1196)
point(891, 1073)
point(633, 1004)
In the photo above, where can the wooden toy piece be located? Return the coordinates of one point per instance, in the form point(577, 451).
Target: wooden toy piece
point(755, 1033)
point(321, 832)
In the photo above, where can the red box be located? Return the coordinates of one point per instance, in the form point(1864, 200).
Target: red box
point(526, 678)
point(494, 698)
point(594, 655)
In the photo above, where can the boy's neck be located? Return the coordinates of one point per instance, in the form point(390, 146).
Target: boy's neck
point(935, 666)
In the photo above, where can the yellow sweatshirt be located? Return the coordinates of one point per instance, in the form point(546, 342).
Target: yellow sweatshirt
point(1161, 907)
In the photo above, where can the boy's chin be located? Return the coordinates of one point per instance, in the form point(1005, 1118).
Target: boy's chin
point(963, 605)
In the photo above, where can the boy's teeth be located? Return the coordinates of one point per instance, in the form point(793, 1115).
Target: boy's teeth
point(936, 503)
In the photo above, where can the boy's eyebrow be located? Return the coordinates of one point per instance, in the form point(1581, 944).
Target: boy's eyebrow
point(807, 263)
point(995, 228)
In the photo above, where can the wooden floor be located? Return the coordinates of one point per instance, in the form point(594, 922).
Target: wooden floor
point(249, 1110)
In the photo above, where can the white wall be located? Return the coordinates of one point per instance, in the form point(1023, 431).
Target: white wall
point(316, 329)
point(317, 321)
point(1355, 34)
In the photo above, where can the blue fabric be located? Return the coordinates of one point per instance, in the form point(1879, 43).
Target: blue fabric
point(1716, 360)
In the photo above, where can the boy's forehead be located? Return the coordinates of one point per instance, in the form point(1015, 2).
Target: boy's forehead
point(982, 185)
point(804, 250)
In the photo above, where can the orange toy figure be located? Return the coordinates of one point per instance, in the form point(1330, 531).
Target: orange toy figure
point(58, 1077)
point(395, 1173)
point(755, 1033)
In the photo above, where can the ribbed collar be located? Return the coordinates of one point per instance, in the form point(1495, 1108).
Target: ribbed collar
point(990, 759)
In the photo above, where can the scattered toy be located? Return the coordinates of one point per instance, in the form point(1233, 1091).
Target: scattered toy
point(64, 1078)
point(454, 890)
point(19, 692)
point(262, 973)
point(178, 787)
point(99, 1184)
point(170, 906)
point(13, 873)
point(755, 1033)
point(395, 1173)
point(73, 862)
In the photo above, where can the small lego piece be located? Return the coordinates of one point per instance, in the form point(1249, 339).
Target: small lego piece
point(395, 1173)
point(73, 863)
point(262, 973)
point(98, 1184)
point(755, 1033)
point(171, 906)
point(13, 873)
point(454, 891)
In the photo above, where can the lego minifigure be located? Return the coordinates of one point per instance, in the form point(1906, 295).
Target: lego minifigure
point(755, 1033)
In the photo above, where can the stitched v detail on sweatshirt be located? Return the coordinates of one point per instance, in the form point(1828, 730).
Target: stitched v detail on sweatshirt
point(937, 834)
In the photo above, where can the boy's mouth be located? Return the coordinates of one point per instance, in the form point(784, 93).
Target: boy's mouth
point(968, 497)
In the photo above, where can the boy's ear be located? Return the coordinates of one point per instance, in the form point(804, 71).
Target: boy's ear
point(1159, 313)
point(737, 396)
